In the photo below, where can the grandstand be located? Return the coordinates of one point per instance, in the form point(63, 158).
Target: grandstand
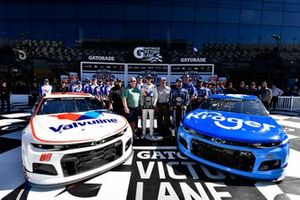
point(241, 61)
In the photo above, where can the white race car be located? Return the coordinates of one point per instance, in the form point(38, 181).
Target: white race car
point(71, 138)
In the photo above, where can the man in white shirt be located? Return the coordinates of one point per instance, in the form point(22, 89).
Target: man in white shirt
point(148, 103)
point(276, 92)
point(139, 82)
point(46, 89)
point(163, 108)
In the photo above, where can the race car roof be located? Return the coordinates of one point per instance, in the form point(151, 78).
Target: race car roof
point(67, 94)
point(234, 96)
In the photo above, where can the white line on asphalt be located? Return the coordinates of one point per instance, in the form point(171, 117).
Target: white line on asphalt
point(154, 148)
point(16, 115)
point(11, 172)
point(269, 190)
point(129, 161)
point(280, 117)
point(113, 185)
point(289, 123)
point(20, 194)
point(293, 167)
point(292, 136)
point(5, 122)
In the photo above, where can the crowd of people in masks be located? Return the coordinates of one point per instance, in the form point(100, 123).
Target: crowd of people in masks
point(143, 99)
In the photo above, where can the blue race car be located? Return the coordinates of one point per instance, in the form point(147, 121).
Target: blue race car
point(235, 134)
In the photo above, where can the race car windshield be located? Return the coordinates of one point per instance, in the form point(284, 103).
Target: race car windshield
point(64, 105)
point(250, 107)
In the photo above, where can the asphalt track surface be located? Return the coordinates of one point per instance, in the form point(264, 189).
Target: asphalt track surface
point(155, 171)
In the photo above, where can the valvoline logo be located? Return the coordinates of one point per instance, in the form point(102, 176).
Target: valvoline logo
point(78, 117)
point(90, 117)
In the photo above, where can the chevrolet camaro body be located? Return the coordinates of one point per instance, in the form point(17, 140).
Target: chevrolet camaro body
point(235, 134)
point(70, 138)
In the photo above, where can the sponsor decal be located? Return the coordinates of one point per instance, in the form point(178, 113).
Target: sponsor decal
point(78, 117)
point(102, 58)
point(193, 60)
point(150, 54)
point(229, 123)
point(91, 118)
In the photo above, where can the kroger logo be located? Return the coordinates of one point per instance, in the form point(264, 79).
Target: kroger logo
point(229, 123)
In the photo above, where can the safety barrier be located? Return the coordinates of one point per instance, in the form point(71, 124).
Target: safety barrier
point(289, 103)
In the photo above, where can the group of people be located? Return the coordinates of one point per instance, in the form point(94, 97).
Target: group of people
point(145, 99)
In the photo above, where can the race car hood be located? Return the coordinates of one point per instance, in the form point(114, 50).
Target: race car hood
point(76, 127)
point(234, 126)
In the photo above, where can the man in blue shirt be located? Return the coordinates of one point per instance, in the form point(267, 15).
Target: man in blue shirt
point(189, 86)
point(203, 93)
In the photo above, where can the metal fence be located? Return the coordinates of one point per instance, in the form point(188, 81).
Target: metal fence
point(289, 103)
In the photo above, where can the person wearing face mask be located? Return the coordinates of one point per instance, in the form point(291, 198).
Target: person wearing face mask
point(265, 95)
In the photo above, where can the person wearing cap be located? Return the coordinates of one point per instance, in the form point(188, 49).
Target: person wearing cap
point(179, 100)
point(93, 86)
point(148, 104)
point(77, 87)
point(203, 93)
point(106, 90)
point(189, 86)
point(98, 91)
point(139, 82)
point(163, 108)
point(46, 89)
point(131, 102)
point(86, 85)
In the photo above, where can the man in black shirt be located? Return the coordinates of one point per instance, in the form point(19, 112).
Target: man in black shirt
point(242, 89)
point(115, 98)
point(230, 89)
point(252, 89)
point(265, 95)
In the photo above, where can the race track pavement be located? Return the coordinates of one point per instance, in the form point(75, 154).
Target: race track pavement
point(155, 171)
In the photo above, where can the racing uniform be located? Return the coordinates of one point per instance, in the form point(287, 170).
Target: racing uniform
point(203, 93)
point(148, 103)
point(92, 89)
point(77, 88)
point(192, 94)
point(86, 87)
point(179, 100)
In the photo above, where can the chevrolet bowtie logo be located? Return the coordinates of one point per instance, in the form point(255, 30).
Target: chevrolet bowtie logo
point(218, 140)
